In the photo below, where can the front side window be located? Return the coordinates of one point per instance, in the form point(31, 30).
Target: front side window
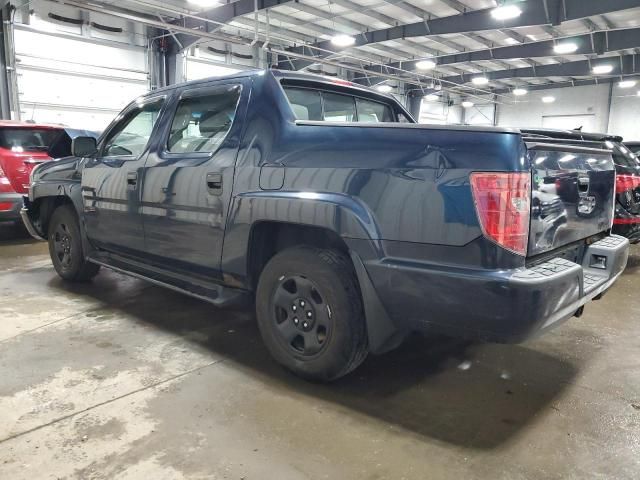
point(202, 122)
point(130, 137)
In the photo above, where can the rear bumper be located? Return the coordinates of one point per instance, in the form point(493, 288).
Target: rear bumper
point(14, 203)
point(503, 306)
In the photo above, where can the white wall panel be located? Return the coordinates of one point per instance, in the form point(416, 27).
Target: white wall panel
point(625, 114)
point(592, 100)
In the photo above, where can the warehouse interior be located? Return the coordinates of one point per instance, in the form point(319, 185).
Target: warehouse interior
point(119, 378)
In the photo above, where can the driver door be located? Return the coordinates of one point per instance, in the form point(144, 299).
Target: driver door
point(111, 181)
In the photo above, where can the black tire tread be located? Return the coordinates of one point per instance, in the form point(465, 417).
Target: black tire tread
point(343, 270)
point(85, 270)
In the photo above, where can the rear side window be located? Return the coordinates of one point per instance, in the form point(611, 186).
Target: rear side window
point(201, 122)
point(318, 105)
point(373, 112)
point(28, 139)
point(306, 103)
point(339, 108)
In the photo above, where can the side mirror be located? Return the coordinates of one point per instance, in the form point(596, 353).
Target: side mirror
point(84, 147)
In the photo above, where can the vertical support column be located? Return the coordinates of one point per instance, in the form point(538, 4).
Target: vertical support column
point(9, 104)
point(414, 105)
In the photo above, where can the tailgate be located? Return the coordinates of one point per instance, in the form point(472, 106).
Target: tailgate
point(573, 192)
point(17, 167)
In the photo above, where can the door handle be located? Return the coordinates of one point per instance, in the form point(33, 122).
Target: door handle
point(214, 183)
point(132, 180)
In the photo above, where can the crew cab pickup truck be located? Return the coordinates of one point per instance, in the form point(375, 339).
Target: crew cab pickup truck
point(348, 223)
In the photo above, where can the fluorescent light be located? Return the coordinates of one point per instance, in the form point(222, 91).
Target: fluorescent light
point(384, 88)
point(627, 83)
point(479, 80)
point(548, 99)
point(467, 104)
point(638, 93)
point(567, 158)
point(343, 40)
point(204, 3)
point(520, 91)
point(566, 47)
point(432, 97)
point(425, 64)
point(505, 12)
point(602, 69)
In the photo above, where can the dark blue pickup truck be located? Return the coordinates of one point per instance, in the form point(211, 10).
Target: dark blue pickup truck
point(350, 224)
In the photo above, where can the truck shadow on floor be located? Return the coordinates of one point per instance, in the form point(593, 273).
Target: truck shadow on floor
point(470, 395)
point(14, 234)
point(633, 264)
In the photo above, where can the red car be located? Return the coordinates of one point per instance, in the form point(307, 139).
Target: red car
point(22, 147)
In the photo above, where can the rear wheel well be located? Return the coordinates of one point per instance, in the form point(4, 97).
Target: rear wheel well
point(269, 238)
point(42, 209)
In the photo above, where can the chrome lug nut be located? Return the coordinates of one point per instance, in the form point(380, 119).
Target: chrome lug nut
point(302, 303)
point(309, 314)
point(294, 308)
point(295, 320)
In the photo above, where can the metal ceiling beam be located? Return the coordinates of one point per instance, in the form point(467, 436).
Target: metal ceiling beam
point(570, 83)
point(622, 65)
point(591, 43)
point(534, 12)
point(221, 15)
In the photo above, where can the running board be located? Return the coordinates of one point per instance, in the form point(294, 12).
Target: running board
point(210, 292)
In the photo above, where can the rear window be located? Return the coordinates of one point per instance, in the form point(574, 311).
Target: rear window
point(28, 139)
point(318, 105)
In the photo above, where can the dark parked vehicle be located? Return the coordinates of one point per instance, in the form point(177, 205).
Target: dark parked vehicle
point(634, 147)
point(350, 224)
point(627, 206)
point(24, 145)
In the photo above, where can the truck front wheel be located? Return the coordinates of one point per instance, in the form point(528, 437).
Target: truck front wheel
point(65, 246)
point(310, 313)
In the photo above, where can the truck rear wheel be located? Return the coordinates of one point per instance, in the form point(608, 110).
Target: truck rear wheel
point(65, 246)
point(310, 313)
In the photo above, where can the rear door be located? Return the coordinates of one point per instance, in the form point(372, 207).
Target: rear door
point(573, 192)
point(111, 181)
point(188, 178)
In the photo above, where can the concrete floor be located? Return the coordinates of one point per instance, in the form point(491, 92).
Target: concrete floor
point(121, 379)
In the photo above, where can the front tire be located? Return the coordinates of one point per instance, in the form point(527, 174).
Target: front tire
point(310, 313)
point(65, 247)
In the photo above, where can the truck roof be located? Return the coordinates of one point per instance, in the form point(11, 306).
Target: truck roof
point(571, 134)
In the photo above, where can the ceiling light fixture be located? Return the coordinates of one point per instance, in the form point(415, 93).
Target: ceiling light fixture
point(343, 40)
point(602, 69)
point(467, 104)
point(204, 3)
point(480, 80)
point(566, 47)
point(384, 88)
point(432, 97)
point(627, 83)
point(425, 65)
point(548, 99)
point(520, 91)
point(506, 12)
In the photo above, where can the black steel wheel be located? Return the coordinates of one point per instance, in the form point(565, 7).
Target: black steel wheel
point(310, 313)
point(65, 246)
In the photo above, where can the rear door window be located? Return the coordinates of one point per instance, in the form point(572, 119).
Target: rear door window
point(202, 121)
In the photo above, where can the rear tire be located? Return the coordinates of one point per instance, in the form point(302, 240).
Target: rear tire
point(310, 313)
point(65, 246)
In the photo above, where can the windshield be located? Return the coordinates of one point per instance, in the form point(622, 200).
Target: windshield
point(28, 139)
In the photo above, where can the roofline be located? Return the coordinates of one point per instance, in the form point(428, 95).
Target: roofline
point(577, 134)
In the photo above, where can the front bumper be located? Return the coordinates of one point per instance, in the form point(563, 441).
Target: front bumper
point(503, 306)
point(24, 213)
point(14, 200)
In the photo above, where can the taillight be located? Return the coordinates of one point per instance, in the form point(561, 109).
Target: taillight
point(624, 183)
point(503, 202)
point(5, 185)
